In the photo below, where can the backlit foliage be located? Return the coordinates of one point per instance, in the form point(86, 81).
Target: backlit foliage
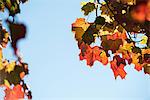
point(12, 73)
point(122, 28)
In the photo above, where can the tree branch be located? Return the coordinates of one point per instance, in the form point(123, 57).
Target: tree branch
point(117, 19)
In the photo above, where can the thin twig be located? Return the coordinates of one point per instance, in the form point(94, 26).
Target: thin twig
point(96, 1)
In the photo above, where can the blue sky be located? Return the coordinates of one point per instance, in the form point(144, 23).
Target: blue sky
point(52, 53)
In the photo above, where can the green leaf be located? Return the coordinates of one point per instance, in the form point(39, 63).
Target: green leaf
point(88, 8)
point(89, 35)
point(100, 20)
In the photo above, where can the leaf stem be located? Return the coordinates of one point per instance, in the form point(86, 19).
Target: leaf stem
point(96, 1)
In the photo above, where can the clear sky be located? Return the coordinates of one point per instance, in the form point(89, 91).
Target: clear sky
point(52, 53)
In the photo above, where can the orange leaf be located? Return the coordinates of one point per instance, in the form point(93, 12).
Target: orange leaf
point(92, 54)
point(14, 94)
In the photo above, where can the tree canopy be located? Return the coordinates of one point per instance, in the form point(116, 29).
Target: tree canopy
point(122, 29)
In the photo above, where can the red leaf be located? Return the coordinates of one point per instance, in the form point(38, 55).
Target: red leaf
point(92, 54)
point(139, 67)
point(14, 94)
point(117, 65)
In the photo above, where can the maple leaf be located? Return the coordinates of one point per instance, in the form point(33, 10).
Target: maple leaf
point(112, 45)
point(79, 28)
point(89, 7)
point(100, 20)
point(117, 65)
point(14, 94)
point(89, 35)
point(92, 54)
point(81, 22)
point(14, 76)
point(10, 67)
point(12, 73)
point(139, 67)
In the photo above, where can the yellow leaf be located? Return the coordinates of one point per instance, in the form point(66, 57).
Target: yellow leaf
point(79, 28)
point(127, 46)
point(80, 22)
point(135, 59)
point(83, 3)
point(6, 83)
point(10, 67)
point(144, 40)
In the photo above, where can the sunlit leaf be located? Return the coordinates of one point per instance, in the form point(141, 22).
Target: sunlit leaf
point(14, 94)
point(117, 65)
point(89, 7)
point(92, 54)
point(121, 30)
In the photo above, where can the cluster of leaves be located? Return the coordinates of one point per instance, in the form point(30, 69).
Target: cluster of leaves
point(123, 29)
point(12, 73)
